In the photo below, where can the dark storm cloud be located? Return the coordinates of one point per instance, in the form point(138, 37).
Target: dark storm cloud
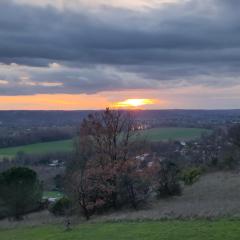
point(30, 32)
point(184, 41)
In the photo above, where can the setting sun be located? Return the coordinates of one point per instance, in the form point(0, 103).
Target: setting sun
point(133, 103)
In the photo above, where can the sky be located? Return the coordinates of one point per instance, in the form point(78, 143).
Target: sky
point(92, 54)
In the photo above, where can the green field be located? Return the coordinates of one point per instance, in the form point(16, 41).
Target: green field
point(154, 135)
point(38, 148)
point(172, 133)
point(52, 194)
point(169, 230)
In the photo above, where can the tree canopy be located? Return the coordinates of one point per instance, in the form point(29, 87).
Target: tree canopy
point(20, 191)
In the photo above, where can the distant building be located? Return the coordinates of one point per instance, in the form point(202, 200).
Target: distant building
point(55, 163)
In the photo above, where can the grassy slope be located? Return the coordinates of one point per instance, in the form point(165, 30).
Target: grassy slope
point(157, 134)
point(171, 230)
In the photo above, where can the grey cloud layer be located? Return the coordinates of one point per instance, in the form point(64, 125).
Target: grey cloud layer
point(195, 42)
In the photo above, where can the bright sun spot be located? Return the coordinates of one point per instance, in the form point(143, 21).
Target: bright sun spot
point(133, 103)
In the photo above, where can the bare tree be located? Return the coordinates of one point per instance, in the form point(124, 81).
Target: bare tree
point(110, 132)
point(102, 149)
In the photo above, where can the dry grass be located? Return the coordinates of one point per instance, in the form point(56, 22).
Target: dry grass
point(215, 195)
point(34, 219)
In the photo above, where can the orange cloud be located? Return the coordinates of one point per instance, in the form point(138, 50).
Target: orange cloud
point(53, 102)
point(83, 101)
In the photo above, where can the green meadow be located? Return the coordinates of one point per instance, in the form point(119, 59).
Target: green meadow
point(172, 133)
point(165, 230)
point(154, 135)
point(38, 148)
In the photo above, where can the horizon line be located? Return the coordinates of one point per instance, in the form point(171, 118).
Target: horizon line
point(165, 109)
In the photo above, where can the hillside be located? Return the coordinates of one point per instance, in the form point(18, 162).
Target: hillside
point(215, 195)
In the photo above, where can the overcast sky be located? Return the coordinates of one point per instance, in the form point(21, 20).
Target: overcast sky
point(80, 54)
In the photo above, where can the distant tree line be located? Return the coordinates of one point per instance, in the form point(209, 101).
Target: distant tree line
point(31, 160)
point(11, 137)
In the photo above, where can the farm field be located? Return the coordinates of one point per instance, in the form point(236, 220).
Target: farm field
point(173, 133)
point(154, 135)
point(171, 230)
point(38, 148)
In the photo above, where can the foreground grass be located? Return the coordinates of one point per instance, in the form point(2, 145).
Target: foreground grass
point(169, 230)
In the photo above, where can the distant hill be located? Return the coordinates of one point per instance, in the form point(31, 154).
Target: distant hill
point(184, 118)
point(41, 118)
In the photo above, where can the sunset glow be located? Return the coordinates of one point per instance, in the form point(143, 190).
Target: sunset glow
point(133, 103)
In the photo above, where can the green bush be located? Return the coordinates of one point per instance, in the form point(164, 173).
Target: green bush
point(61, 207)
point(190, 176)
